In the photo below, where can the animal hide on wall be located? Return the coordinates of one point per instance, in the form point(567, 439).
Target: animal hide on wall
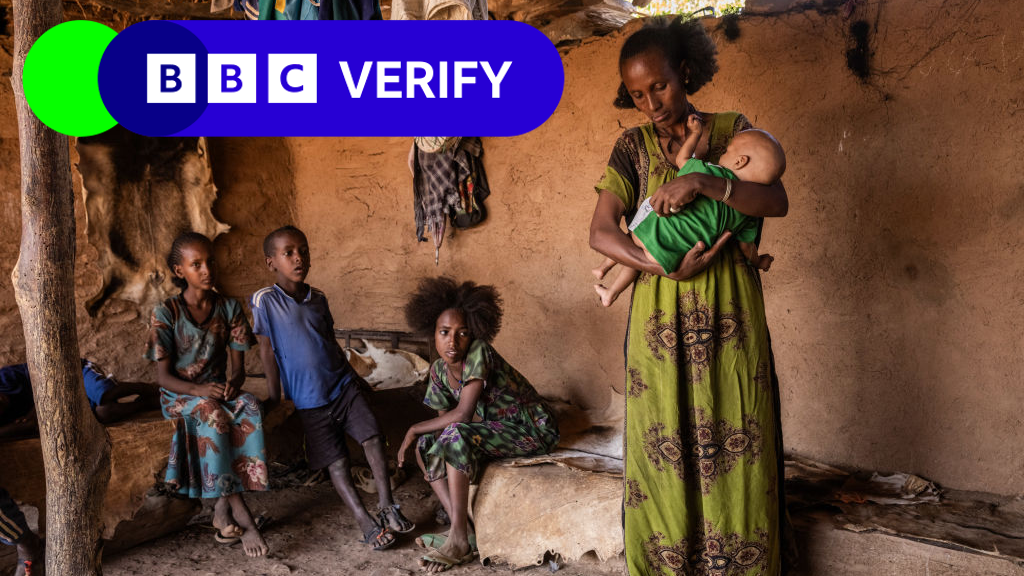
point(140, 193)
point(564, 20)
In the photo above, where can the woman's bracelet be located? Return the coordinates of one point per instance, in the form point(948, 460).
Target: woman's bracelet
point(728, 191)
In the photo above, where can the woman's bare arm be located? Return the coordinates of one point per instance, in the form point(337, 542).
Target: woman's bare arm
point(607, 238)
point(750, 198)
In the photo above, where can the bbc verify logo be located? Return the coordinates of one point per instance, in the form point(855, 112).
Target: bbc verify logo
point(330, 78)
point(231, 78)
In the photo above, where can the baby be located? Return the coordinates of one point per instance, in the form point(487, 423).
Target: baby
point(753, 156)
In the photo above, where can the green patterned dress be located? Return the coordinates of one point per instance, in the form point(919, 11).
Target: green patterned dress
point(510, 418)
point(701, 493)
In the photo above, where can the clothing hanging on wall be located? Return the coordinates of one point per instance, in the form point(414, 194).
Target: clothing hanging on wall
point(318, 9)
point(449, 184)
point(439, 10)
point(350, 10)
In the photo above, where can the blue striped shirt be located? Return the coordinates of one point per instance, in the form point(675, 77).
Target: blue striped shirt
point(312, 365)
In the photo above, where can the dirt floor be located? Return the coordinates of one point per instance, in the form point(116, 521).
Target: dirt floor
point(311, 532)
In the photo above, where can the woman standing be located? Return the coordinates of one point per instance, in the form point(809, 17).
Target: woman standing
point(702, 484)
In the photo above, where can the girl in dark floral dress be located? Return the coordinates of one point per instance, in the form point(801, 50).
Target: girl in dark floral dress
point(217, 450)
point(486, 408)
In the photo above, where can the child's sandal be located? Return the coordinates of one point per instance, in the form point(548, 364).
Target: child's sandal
point(392, 517)
point(378, 539)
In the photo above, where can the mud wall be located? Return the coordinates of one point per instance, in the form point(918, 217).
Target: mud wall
point(895, 302)
point(256, 194)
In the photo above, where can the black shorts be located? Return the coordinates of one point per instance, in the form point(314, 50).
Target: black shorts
point(326, 426)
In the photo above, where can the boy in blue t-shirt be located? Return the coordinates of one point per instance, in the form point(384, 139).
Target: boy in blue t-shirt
point(17, 407)
point(294, 326)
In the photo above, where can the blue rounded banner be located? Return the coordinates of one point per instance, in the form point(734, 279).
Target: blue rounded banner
point(331, 78)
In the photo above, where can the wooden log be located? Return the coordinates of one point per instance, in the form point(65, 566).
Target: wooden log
point(75, 447)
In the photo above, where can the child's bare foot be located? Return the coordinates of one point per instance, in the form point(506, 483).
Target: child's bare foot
point(377, 536)
point(598, 273)
point(454, 552)
point(607, 296)
point(254, 544)
point(252, 541)
point(223, 521)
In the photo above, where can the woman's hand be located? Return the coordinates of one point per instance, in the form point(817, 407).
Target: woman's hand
point(671, 196)
point(698, 259)
point(406, 443)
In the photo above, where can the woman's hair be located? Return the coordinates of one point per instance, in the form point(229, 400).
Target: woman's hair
point(174, 257)
point(684, 43)
point(480, 306)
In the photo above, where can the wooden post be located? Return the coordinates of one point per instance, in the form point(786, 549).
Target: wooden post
point(76, 448)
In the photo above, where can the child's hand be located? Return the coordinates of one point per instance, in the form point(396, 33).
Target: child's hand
point(214, 390)
point(694, 123)
point(765, 262)
point(406, 443)
point(231, 391)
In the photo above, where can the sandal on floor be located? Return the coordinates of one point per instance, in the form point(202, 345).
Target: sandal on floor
point(29, 568)
point(435, 541)
point(228, 535)
point(225, 540)
point(261, 521)
point(392, 517)
point(441, 516)
point(377, 537)
point(436, 557)
point(362, 477)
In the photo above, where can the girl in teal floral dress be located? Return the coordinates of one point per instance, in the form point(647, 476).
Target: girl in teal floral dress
point(217, 450)
point(486, 408)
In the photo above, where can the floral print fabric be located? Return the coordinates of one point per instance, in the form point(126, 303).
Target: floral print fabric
point(217, 447)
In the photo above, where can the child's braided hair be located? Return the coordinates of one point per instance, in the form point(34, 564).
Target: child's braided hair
point(480, 306)
point(684, 43)
point(179, 244)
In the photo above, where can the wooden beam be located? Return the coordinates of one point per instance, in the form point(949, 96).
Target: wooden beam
point(75, 447)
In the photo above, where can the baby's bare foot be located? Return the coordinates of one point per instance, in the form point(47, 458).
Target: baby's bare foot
point(607, 296)
point(603, 268)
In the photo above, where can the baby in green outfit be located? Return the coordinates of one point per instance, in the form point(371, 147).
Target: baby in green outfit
point(752, 155)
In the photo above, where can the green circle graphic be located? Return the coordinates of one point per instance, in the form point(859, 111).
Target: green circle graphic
point(61, 78)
